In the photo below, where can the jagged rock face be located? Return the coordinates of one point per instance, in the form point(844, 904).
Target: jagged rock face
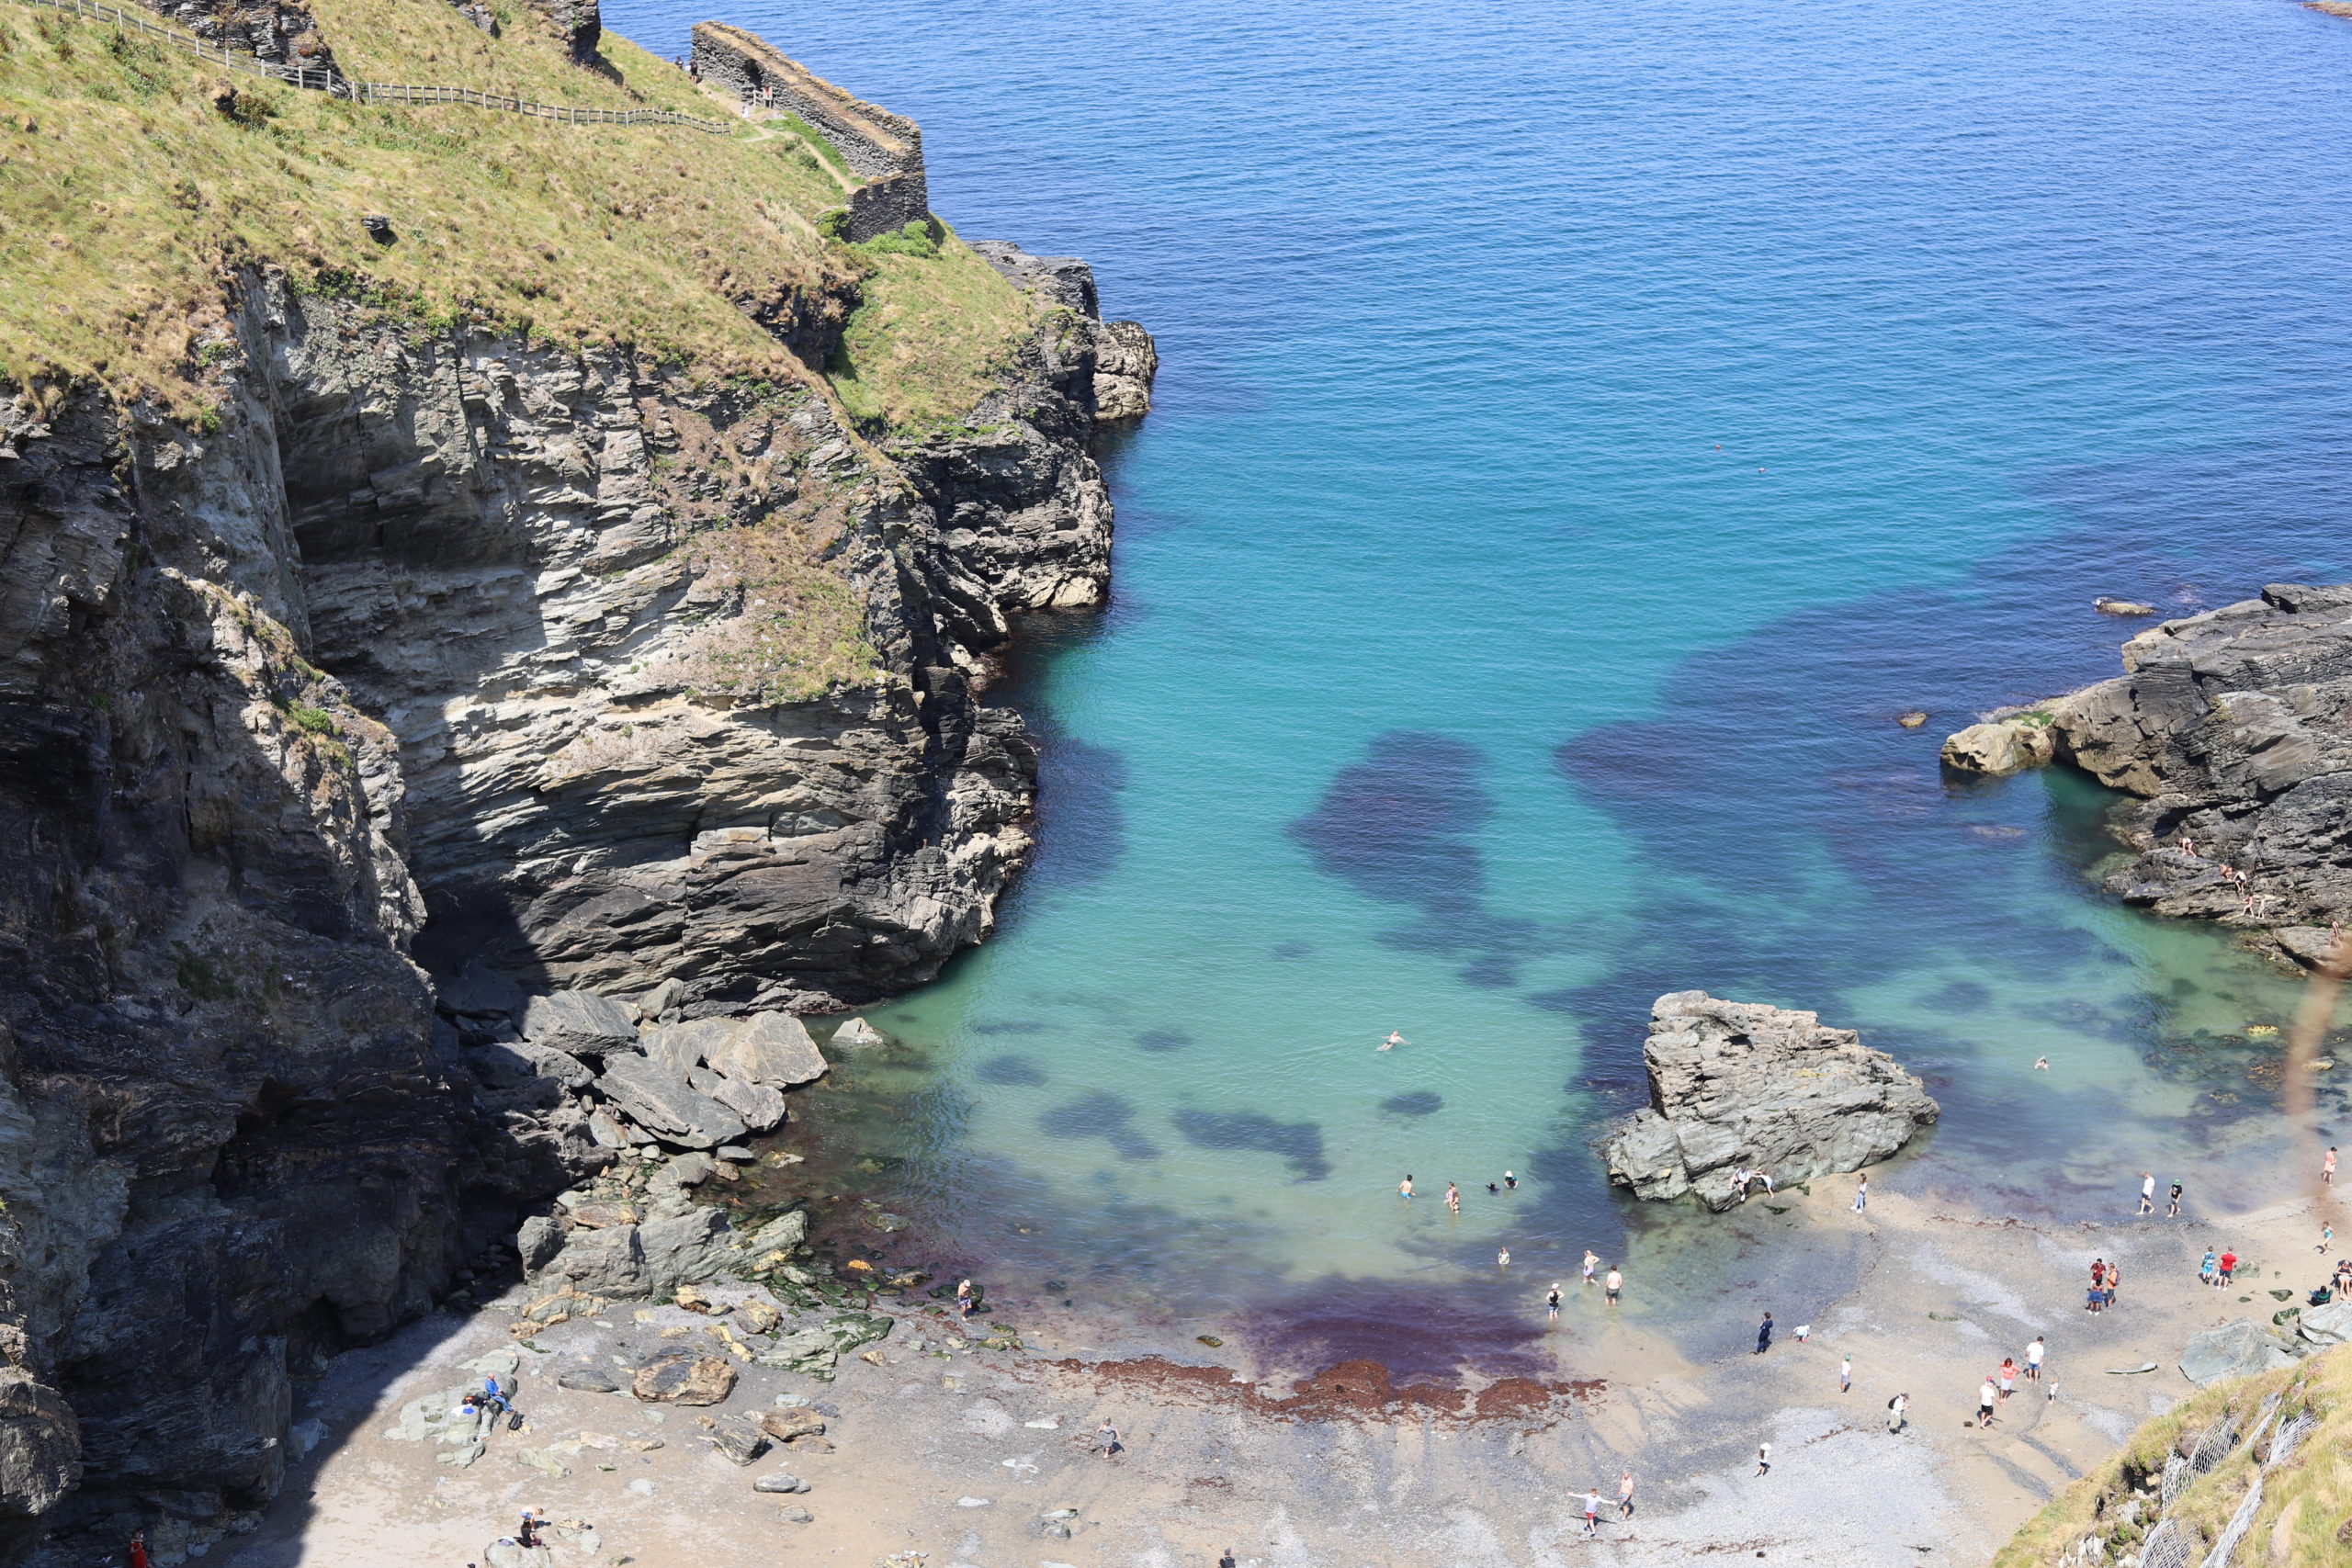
point(1739, 1085)
point(457, 643)
point(2232, 729)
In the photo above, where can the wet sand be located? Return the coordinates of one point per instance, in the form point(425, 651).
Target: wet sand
point(965, 1454)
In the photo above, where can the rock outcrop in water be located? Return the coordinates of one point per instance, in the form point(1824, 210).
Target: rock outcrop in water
point(1739, 1086)
point(2233, 728)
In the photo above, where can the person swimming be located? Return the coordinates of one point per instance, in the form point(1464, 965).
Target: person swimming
point(1394, 1040)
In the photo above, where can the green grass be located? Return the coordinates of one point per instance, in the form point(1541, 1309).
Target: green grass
point(135, 182)
point(2306, 1511)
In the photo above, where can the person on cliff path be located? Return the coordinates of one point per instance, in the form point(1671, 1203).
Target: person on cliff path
point(1591, 1512)
point(1764, 1335)
point(2033, 1354)
point(1551, 1303)
point(1862, 1194)
point(1625, 1496)
point(1610, 1287)
point(2173, 1211)
point(1895, 1411)
point(2147, 1192)
point(1453, 1198)
point(1846, 1374)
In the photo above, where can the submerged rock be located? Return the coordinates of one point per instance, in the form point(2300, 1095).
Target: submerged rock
point(859, 1036)
point(2000, 746)
point(1741, 1086)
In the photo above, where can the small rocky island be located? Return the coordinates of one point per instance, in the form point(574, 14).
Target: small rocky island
point(2233, 729)
point(1740, 1086)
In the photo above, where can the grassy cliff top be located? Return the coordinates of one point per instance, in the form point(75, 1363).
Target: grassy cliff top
point(135, 180)
point(2305, 1515)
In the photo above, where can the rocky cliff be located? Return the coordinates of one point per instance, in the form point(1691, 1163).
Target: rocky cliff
point(430, 644)
point(2231, 731)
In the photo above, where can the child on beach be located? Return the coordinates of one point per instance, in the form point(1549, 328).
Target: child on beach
point(2229, 1266)
point(2208, 1270)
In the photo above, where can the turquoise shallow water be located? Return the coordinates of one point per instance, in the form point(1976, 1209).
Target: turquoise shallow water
point(1583, 427)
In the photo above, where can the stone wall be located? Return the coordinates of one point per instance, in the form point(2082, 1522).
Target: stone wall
point(877, 145)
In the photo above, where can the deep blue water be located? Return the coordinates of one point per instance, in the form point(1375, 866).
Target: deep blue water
point(1583, 428)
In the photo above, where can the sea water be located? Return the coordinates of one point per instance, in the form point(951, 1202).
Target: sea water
point(1582, 429)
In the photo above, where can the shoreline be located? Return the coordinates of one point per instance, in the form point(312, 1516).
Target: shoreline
point(967, 1454)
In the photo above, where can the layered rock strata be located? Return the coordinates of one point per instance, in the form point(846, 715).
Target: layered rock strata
point(606, 678)
point(1740, 1087)
point(2232, 732)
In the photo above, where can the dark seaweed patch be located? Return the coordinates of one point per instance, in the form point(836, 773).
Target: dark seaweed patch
point(1299, 1142)
point(1009, 1070)
point(1010, 1026)
point(1162, 1040)
point(1100, 1115)
point(1419, 1102)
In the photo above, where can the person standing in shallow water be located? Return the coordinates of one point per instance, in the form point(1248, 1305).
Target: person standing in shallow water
point(1405, 1188)
point(1591, 1262)
point(1614, 1283)
point(2173, 1211)
point(2147, 1192)
point(1764, 1335)
point(1551, 1303)
point(1453, 1198)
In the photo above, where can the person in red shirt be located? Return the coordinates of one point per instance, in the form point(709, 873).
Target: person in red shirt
point(2098, 1272)
point(138, 1549)
point(2228, 1262)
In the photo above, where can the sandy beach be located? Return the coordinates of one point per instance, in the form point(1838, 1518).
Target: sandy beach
point(982, 1457)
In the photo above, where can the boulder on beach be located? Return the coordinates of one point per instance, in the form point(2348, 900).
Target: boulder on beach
point(684, 1379)
point(1739, 1086)
point(659, 1097)
point(2234, 1349)
point(2328, 1324)
point(859, 1036)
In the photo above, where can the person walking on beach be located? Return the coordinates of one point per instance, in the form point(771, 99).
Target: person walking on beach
point(1453, 1199)
point(2114, 1275)
point(1591, 1262)
point(1985, 1395)
point(1763, 1458)
point(1106, 1437)
point(2229, 1265)
point(2008, 1377)
point(2098, 1272)
point(2209, 1272)
point(1764, 1335)
point(2326, 1236)
point(1614, 1283)
point(1846, 1374)
point(2147, 1192)
point(2328, 1166)
point(1405, 1188)
point(1625, 1496)
point(2033, 1354)
point(1226, 1560)
point(1551, 1303)
point(1591, 1512)
point(964, 1300)
point(1895, 1411)
point(2173, 1211)
point(1863, 1194)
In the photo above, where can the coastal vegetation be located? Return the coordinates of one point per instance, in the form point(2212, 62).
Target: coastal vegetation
point(2215, 1445)
point(136, 184)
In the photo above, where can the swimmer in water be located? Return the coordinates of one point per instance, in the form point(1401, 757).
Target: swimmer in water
point(2041, 1063)
point(1394, 1040)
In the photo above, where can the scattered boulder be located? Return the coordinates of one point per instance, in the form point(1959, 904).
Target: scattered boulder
point(858, 1035)
point(662, 998)
point(792, 1515)
point(761, 1107)
point(2105, 607)
point(739, 1441)
point(777, 1481)
point(538, 1242)
point(2330, 1323)
point(608, 1130)
point(1911, 720)
point(2001, 746)
point(547, 1462)
point(581, 1023)
point(758, 1317)
point(684, 1379)
point(2234, 1349)
point(787, 1424)
point(589, 1381)
point(1743, 1085)
point(658, 1097)
point(510, 1555)
point(809, 1351)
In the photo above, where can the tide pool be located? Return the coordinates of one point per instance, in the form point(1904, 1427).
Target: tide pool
point(1583, 428)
